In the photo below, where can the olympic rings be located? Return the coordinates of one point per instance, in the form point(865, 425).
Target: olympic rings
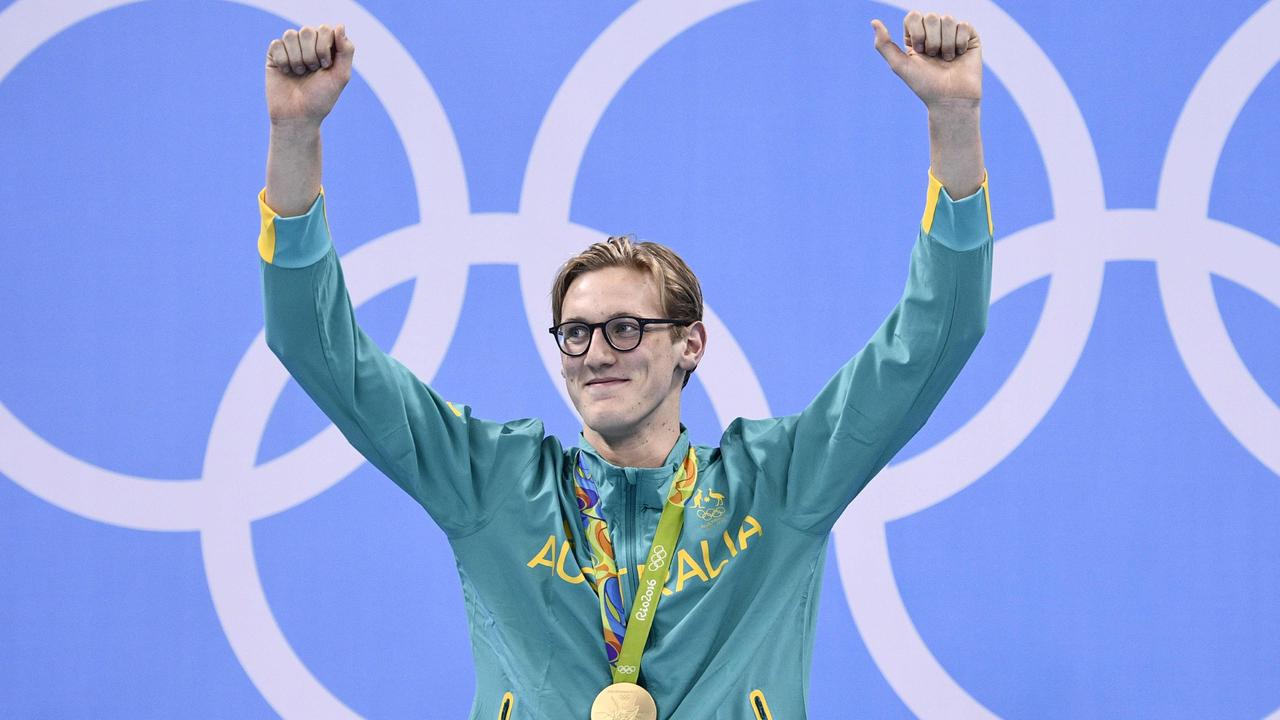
point(232, 491)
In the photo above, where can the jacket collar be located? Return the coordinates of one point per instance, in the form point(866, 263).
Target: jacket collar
point(605, 472)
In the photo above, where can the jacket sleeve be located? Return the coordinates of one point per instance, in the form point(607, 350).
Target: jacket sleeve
point(825, 455)
point(457, 467)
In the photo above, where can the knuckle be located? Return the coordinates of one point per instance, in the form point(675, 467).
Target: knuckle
point(307, 32)
point(290, 33)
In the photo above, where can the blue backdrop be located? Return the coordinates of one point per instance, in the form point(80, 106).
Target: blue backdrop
point(1086, 527)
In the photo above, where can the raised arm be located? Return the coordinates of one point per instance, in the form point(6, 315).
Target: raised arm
point(885, 393)
point(456, 466)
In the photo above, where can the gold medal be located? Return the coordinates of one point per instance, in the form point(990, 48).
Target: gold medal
point(624, 701)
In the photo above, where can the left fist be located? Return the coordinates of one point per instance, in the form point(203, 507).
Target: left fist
point(942, 63)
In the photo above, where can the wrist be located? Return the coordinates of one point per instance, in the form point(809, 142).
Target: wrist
point(295, 130)
point(955, 148)
point(960, 111)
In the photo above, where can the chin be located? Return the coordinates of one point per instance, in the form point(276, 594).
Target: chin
point(606, 423)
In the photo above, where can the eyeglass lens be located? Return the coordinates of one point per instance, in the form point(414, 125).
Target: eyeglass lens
point(622, 333)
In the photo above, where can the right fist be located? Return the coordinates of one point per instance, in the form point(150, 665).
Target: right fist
point(307, 69)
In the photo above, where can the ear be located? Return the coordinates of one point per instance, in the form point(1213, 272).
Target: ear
point(695, 344)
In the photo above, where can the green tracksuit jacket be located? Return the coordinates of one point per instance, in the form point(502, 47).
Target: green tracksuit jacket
point(734, 633)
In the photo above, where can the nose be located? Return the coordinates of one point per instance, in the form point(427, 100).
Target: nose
point(599, 351)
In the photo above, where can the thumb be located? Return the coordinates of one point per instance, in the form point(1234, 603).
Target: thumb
point(887, 48)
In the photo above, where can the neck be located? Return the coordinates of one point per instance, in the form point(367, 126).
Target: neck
point(648, 448)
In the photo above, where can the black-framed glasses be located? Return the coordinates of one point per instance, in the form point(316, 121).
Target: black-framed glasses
point(622, 333)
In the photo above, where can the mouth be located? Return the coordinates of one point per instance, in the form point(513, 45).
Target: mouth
point(605, 382)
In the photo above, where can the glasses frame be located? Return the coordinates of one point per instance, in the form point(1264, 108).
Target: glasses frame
point(591, 329)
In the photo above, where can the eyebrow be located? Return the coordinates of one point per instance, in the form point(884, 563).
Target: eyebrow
point(579, 319)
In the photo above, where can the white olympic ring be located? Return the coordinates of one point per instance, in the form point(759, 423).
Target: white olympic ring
point(657, 558)
point(1073, 249)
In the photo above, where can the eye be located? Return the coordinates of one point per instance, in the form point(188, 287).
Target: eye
point(577, 333)
point(624, 327)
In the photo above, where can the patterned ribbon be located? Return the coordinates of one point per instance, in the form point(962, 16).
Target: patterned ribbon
point(604, 573)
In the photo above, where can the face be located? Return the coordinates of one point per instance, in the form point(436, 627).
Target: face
point(623, 394)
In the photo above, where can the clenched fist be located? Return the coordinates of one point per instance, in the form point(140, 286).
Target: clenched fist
point(307, 69)
point(942, 63)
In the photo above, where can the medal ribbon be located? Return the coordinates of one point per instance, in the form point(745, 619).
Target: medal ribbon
point(624, 649)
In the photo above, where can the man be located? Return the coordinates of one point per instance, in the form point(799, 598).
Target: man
point(636, 575)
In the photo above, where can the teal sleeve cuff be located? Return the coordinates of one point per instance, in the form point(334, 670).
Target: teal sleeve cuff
point(293, 242)
point(958, 224)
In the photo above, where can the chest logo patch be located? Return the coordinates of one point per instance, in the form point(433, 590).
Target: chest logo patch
point(709, 507)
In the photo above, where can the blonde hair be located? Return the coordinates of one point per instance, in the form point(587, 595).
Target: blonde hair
point(679, 291)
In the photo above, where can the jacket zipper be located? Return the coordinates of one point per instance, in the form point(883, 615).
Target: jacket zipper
point(629, 535)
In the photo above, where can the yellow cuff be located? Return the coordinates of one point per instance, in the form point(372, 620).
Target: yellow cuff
point(957, 223)
point(296, 241)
